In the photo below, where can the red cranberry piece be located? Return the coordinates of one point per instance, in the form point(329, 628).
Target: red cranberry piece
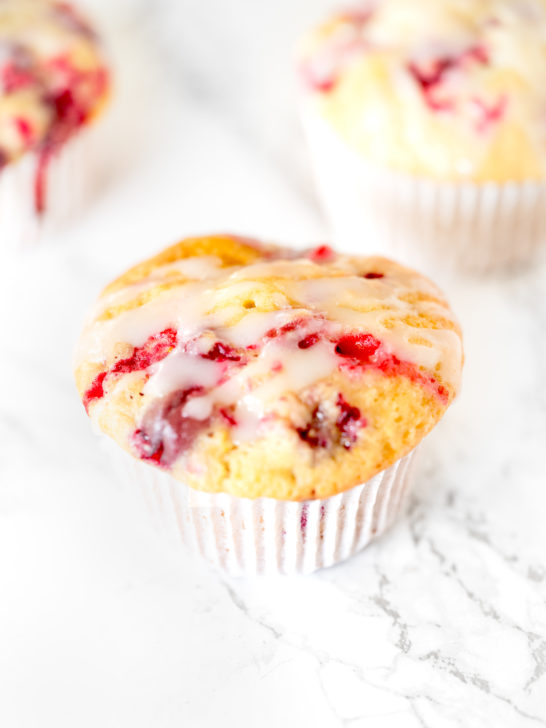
point(24, 127)
point(165, 433)
point(145, 448)
point(433, 74)
point(321, 433)
point(309, 341)
point(221, 352)
point(322, 254)
point(228, 417)
point(365, 350)
point(392, 366)
point(15, 77)
point(153, 350)
point(315, 433)
point(431, 77)
point(348, 422)
point(361, 347)
point(371, 276)
point(69, 115)
point(282, 330)
point(95, 391)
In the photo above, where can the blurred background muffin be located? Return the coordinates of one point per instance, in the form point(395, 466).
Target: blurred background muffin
point(426, 127)
point(53, 83)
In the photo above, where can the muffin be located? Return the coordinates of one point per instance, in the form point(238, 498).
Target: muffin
point(426, 127)
point(54, 83)
point(275, 398)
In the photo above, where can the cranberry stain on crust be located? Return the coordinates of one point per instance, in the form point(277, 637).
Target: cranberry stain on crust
point(95, 391)
point(221, 352)
point(72, 105)
point(316, 431)
point(348, 423)
point(431, 77)
point(283, 330)
point(156, 348)
point(227, 415)
point(322, 432)
point(165, 432)
point(298, 325)
point(364, 350)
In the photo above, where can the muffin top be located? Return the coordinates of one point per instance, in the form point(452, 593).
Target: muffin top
point(454, 89)
point(52, 76)
point(258, 371)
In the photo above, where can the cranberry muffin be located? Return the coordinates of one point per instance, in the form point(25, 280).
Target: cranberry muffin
point(447, 96)
point(54, 82)
point(238, 368)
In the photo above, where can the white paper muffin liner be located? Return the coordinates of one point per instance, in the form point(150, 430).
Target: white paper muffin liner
point(244, 537)
point(424, 223)
point(71, 180)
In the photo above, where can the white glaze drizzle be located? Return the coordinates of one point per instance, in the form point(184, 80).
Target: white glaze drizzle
point(322, 298)
point(180, 371)
point(252, 389)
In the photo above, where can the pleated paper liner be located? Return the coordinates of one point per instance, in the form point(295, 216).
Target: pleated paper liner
point(245, 537)
point(69, 182)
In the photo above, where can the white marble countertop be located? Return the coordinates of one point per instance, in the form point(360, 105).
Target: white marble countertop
point(104, 621)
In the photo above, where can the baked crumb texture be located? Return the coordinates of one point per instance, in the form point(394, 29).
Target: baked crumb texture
point(454, 89)
point(53, 81)
point(254, 370)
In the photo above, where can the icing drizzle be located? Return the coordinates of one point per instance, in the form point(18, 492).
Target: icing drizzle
point(220, 356)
